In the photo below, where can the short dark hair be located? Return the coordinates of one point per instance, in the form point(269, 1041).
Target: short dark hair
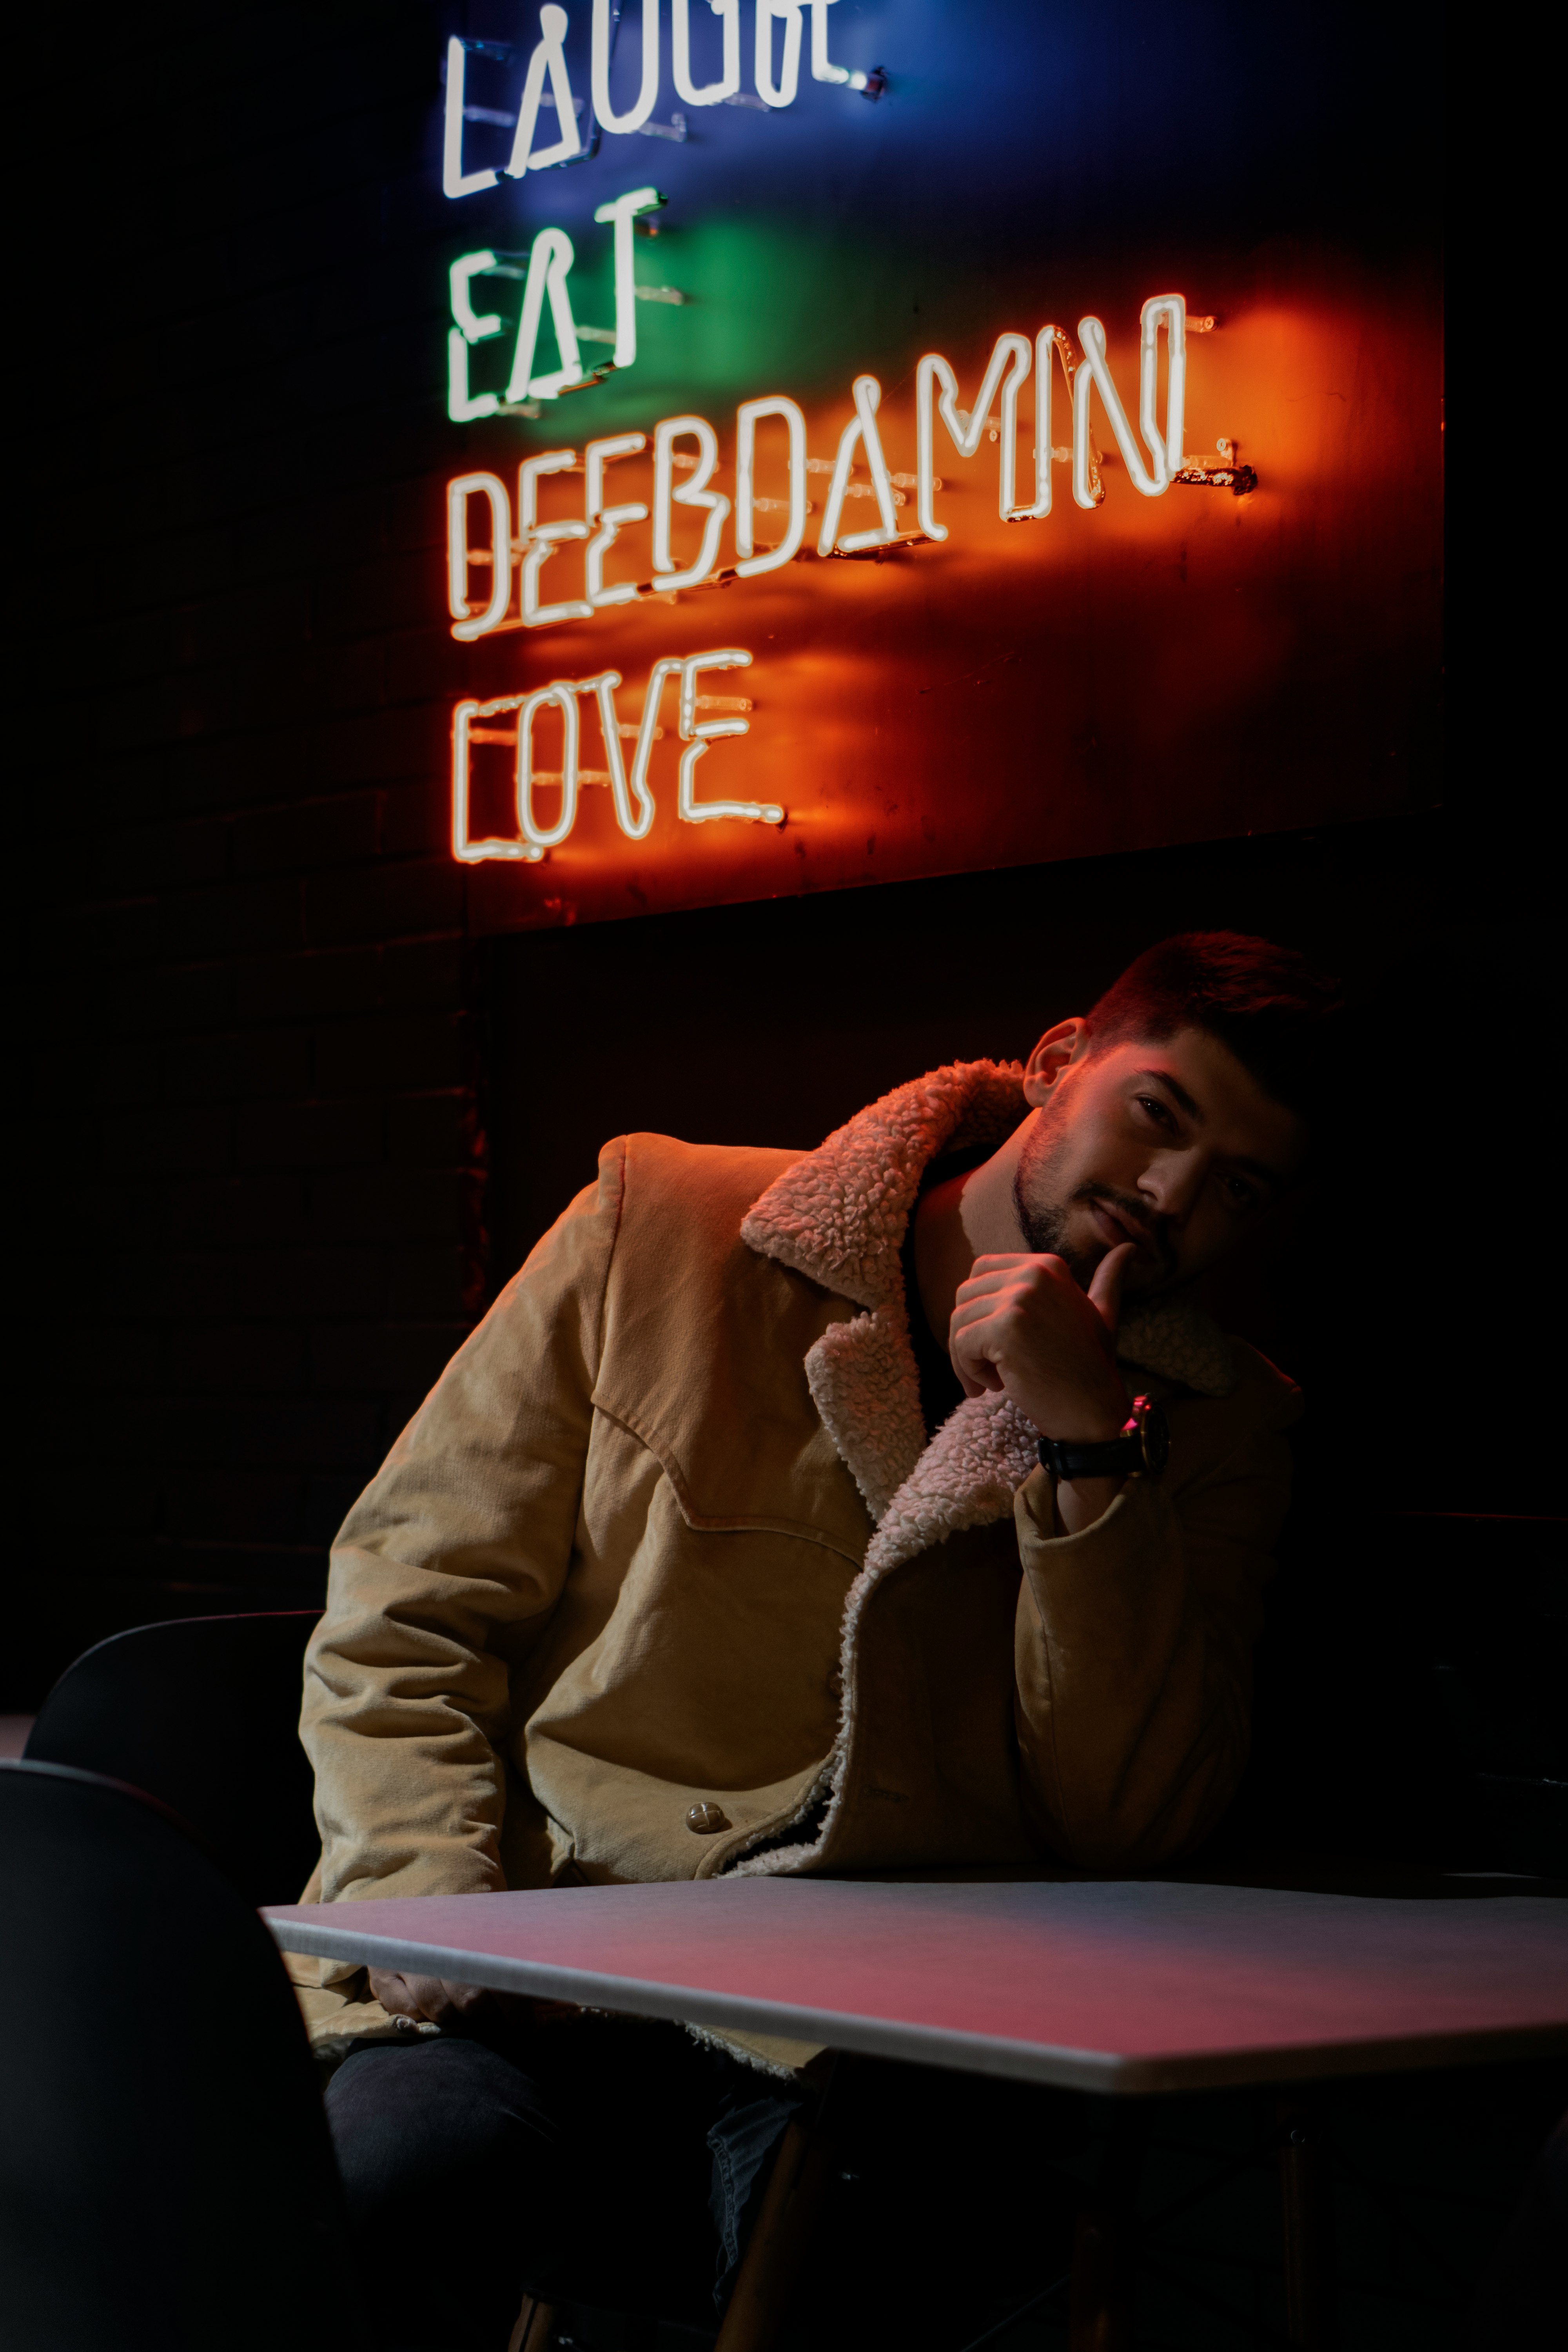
point(1280, 1015)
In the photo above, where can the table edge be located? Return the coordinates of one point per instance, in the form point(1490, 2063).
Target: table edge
point(1059, 2065)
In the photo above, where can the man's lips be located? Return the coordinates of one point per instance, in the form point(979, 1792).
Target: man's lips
point(1115, 1228)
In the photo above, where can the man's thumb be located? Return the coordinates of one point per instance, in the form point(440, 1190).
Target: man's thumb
point(1105, 1290)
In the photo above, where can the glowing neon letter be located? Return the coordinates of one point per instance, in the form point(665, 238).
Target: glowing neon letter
point(539, 540)
point(746, 417)
point(1094, 374)
point(638, 114)
point(473, 326)
point(549, 260)
point(467, 852)
point(697, 739)
point(636, 826)
point(610, 519)
point(692, 493)
point(821, 69)
point(467, 625)
point(867, 400)
point(548, 58)
point(710, 93)
point(1009, 365)
point(782, 92)
point(455, 180)
point(542, 837)
point(621, 213)
point(1172, 309)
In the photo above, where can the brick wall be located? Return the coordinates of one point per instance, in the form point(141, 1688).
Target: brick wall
point(261, 1173)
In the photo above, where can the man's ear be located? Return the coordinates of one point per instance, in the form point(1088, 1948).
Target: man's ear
point(1067, 1041)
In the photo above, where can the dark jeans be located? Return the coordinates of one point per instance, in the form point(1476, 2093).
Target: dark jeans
point(613, 2161)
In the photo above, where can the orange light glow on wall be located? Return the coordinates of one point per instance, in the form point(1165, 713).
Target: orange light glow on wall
point(1004, 590)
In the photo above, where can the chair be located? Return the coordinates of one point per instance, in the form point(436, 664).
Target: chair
point(202, 1713)
point(166, 2182)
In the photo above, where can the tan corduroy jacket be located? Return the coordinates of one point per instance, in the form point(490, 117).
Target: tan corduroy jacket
point(669, 1532)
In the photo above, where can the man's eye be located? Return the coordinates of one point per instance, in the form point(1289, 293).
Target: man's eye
point(1241, 1194)
point(1155, 1108)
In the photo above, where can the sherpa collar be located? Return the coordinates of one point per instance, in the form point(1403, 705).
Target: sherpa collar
point(839, 1217)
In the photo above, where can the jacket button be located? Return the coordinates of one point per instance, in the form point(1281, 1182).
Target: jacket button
point(706, 1819)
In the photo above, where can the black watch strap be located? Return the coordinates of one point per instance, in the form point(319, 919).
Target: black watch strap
point(1141, 1449)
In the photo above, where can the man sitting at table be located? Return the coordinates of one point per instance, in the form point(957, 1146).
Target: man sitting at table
point(890, 1505)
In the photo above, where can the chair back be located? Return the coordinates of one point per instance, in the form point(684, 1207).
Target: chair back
point(166, 2180)
point(203, 1714)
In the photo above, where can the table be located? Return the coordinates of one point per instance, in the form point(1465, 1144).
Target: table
point(1127, 1987)
point(1120, 1986)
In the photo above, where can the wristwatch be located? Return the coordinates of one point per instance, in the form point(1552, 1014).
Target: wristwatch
point(1143, 1449)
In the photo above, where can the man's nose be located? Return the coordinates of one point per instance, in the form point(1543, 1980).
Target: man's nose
point(1173, 1183)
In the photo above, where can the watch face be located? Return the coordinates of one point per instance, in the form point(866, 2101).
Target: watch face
point(1156, 1433)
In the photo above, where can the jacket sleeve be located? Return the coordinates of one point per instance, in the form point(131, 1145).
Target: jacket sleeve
point(446, 1574)
point(1133, 1656)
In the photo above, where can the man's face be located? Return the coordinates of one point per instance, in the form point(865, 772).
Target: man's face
point(1172, 1146)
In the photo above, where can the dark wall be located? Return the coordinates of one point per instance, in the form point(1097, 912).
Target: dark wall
point(1405, 1289)
point(259, 1207)
point(252, 1222)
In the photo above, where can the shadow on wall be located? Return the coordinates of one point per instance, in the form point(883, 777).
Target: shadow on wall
point(1387, 1290)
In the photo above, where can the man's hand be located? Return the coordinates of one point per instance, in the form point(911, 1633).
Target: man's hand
point(460, 2008)
point(433, 1999)
point(1022, 1324)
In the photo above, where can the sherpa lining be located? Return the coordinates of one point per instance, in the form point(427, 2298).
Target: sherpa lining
point(839, 1217)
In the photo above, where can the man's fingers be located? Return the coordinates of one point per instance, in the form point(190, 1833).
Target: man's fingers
point(402, 1996)
point(1105, 1289)
point(463, 1996)
point(994, 1275)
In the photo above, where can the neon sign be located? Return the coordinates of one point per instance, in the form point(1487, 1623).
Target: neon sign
point(536, 543)
point(933, 495)
point(936, 397)
point(775, 65)
point(634, 802)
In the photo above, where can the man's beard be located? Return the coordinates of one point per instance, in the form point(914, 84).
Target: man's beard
point(1043, 1213)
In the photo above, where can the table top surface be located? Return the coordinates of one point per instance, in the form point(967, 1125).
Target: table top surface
point(1121, 1985)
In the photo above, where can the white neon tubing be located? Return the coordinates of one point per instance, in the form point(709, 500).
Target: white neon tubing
point(708, 93)
point(688, 808)
point(540, 837)
point(638, 114)
point(635, 824)
point(472, 326)
point(1170, 310)
point(694, 492)
point(542, 544)
point(529, 476)
point(621, 213)
point(1093, 374)
point(549, 260)
point(466, 850)
point(539, 540)
point(548, 58)
point(746, 416)
point(611, 522)
point(476, 325)
point(867, 400)
point(467, 623)
point(781, 93)
point(463, 407)
point(652, 696)
point(1009, 364)
point(821, 69)
point(1044, 345)
point(455, 180)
